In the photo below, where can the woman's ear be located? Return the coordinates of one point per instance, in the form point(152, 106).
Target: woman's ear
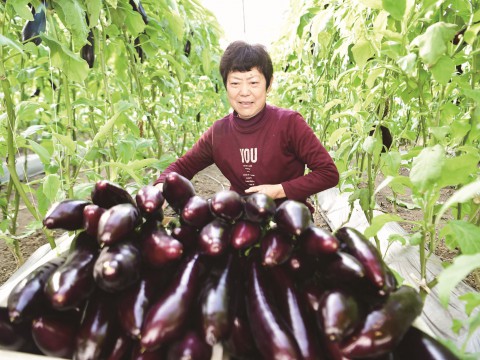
point(270, 85)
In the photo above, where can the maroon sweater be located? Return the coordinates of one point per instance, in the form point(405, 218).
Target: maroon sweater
point(273, 147)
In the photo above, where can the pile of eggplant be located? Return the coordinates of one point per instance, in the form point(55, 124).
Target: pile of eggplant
point(257, 277)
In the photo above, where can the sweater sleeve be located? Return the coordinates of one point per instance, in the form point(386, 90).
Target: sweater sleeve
point(194, 160)
point(323, 172)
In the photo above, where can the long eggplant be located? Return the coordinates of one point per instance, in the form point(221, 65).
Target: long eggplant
point(55, 333)
point(418, 345)
point(107, 194)
point(32, 29)
point(196, 212)
point(342, 268)
point(214, 238)
point(27, 299)
point(294, 309)
point(317, 241)
point(216, 303)
point(72, 282)
point(159, 248)
point(177, 190)
point(13, 337)
point(227, 205)
point(168, 316)
point(87, 52)
point(259, 208)
point(269, 329)
point(66, 214)
point(117, 222)
point(245, 233)
point(190, 346)
point(383, 328)
point(293, 217)
point(301, 265)
point(276, 246)
point(122, 348)
point(366, 253)
point(118, 266)
point(187, 235)
point(91, 217)
point(149, 200)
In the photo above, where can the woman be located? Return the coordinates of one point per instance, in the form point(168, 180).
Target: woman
point(259, 147)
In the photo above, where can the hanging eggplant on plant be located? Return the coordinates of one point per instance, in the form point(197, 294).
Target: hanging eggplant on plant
point(32, 29)
point(88, 50)
point(139, 8)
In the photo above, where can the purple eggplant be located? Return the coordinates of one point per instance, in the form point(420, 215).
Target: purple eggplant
point(160, 248)
point(240, 344)
point(293, 217)
point(244, 234)
point(301, 265)
point(107, 194)
point(167, 317)
point(66, 215)
point(196, 212)
point(270, 331)
point(342, 268)
point(190, 346)
point(366, 253)
point(32, 29)
point(177, 190)
point(117, 222)
point(227, 205)
point(139, 8)
point(91, 217)
point(13, 337)
point(313, 294)
point(122, 348)
point(294, 310)
point(259, 208)
point(27, 299)
point(317, 241)
point(150, 200)
point(94, 337)
point(276, 246)
point(72, 282)
point(55, 333)
point(214, 238)
point(187, 235)
point(216, 303)
point(418, 345)
point(138, 353)
point(118, 266)
point(338, 315)
point(383, 328)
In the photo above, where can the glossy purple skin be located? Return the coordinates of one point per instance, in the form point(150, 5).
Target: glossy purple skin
point(107, 194)
point(117, 222)
point(72, 282)
point(122, 348)
point(276, 247)
point(91, 217)
point(259, 208)
point(190, 346)
point(294, 310)
point(338, 315)
point(244, 234)
point(149, 200)
point(117, 266)
point(418, 345)
point(159, 248)
point(366, 253)
point(55, 334)
point(216, 303)
point(301, 265)
point(27, 299)
point(177, 190)
point(67, 215)
point(168, 316)
point(196, 212)
point(271, 334)
point(187, 235)
point(344, 268)
point(383, 328)
point(317, 241)
point(227, 205)
point(293, 217)
point(214, 238)
point(13, 337)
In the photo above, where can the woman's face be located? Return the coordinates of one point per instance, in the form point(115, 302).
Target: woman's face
point(247, 92)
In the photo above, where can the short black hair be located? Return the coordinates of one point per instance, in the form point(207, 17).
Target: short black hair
point(241, 56)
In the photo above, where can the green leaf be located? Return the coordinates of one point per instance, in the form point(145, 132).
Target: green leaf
point(462, 195)
point(443, 70)
point(74, 67)
point(472, 300)
point(472, 94)
point(463, 234)
point(433, 43)
point(4, 41)
point(72, 15)
point(362, 51)
point(94, 7)
point(67, 142)
point(408, 64)
point(369, 144)
point(471, 33)
point(42, 152)
point(206, 61)
point(373, 4)
point(396, 8)
point(427, 167)
point(449, 278)
point(391, 163)
point(378, 222)
point(51, 186)
point(459, 170)
point(22, 9)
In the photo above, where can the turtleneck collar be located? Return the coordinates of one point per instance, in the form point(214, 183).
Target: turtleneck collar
point(248, 125)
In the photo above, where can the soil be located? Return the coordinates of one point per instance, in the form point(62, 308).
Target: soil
point(207, 183)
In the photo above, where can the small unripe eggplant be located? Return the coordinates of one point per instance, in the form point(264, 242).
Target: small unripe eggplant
point(259, 208)
point(293, 217)
point(66, 214)
point(107, 194)
point(227, 205)
point(177, 190)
